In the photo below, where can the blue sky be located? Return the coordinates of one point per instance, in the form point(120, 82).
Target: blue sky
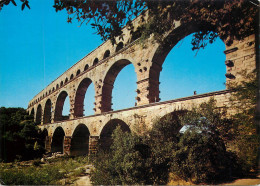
point(38, 45)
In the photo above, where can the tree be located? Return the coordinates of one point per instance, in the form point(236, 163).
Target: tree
point(201, 155)
point(125, 164)
point(7, 2)
point(244, 100)
point(227, 19)
point(19, 136)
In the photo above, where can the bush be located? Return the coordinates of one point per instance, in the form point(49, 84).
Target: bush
point(198, 154)
point(43, 174)
point(31, 176)
point(18, 130)
point(125, 164)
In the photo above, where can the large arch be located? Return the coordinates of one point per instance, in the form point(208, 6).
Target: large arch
point(80, 141)
point(38, 115)
point(59, 107)
point(58, 140)
point(47, 112)
point(108, 85)
point(162, 52)
point(107, 131)
point(80, 95)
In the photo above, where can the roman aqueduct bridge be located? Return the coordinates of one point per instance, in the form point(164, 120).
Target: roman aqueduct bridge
point(79, 134)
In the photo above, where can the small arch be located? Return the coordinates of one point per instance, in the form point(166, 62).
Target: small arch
point(61, 83)
point(57, 86)
point(107, 54)
point(95, 61)
point(38, 115)
point(58, 140)
point(80, 141)
point(78, 72)
point(86, 67)
point(71, 76)
point(107, 131)
point(43, 136)
point(119, 46)
point(66, 80)
point(47, 112)
point(172, 121)
point(49, 92)
point(136, 35)
point(59, 107)
point(32, 112)
point(80, 95)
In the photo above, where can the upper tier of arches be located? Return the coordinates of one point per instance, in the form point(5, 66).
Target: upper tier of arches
point(147, 62)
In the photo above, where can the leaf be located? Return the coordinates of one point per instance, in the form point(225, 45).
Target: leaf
point(23, 5)
point(27, 4)
point(14, 2)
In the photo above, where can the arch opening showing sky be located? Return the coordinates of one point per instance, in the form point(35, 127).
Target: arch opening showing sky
point(123, 93)
point(89, 101)
point(184, 71)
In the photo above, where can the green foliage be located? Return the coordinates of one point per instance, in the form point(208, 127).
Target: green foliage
point(7, 2)
point(125, 164)
point(42, 174)
point(227, 19)
point(163, 139)
point(19, 136)
point(198, 154)
point(31, 175)
point(246, 141)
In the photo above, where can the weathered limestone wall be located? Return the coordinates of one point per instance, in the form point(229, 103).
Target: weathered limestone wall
point(101, 68)
point(240, 57)
point(141, 115)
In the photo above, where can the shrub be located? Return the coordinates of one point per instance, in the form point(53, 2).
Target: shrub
point(125, 164)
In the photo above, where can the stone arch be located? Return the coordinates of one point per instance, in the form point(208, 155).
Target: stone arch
point(53, 89)
point(161, 52)
point(38, 115)
point(47, 112)
point(66, 80)
point(106, 54)
point(45, 132)
point(86, 67)
point(58, 140)
point(61, 83)
point(175, 118)
point(57, 86)
point(119, 46)
point(44, 135)
point(107, 131)
point(80, 95)
point(80, 141)
point(71, 76)
point(78, 72)
point(108, 83)
point(59, 107)
point(32, 112)
point(95, 61)
point(136, 34)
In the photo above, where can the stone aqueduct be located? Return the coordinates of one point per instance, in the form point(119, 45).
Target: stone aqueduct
point(79, 134)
